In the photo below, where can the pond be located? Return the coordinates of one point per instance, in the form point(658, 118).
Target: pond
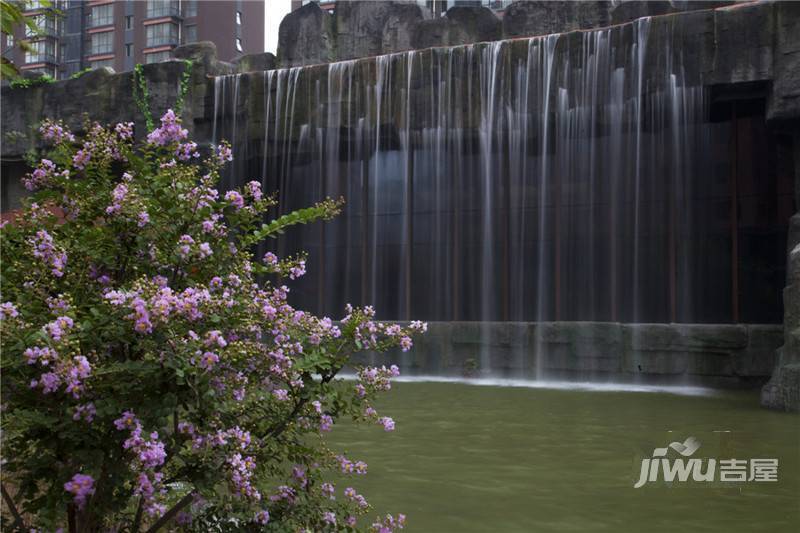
point(515, 458)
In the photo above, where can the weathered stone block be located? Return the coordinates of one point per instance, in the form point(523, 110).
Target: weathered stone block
point(523, 19)
point(460, 25)
point(256, 62)
point(306, 37)
point(784, 101)
point(365, 28)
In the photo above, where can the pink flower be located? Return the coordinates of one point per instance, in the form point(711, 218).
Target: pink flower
point(262, 517)
point(387, 423)
point(8, 310)
point(55, 132)
point(169, 132)
point(254, 188)
point(224, 153)
point(235, 199)
point(81, 486)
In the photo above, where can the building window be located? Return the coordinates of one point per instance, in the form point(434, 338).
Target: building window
point(162, 8)
point(103, 42)
point(103, 63)
point(238, 44)
point(33, 4)
point(189, 34)
point(239, 18)
point(102, 15)
point(160, 34)
point(9, 40)
point(40, 52)
point(156, 57)
point(128, 49)
point(190, 9)
point(45, 25)
point(129, 22)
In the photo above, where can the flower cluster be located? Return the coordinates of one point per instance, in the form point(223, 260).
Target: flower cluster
point(224, 153)
point(149, 454)
point(103, 146)
point(45, 250)
point(369, 331)
point(81, 486)
point(389, 524)
point(68, 372)
point(171, 131)
point(43, 176)
point(8, 310)
point(55, 132)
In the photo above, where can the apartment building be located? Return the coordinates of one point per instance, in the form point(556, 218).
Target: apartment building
point(120, 33)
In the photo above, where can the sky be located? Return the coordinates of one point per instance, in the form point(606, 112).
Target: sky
point(274, 11)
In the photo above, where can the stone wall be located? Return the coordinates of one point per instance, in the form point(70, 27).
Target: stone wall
point(362, 28)
point(741, 44)
point(732, 355)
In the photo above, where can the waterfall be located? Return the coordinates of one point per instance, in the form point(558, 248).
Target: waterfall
point(542, 179)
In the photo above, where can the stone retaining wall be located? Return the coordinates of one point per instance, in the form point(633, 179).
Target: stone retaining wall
point(732, 355)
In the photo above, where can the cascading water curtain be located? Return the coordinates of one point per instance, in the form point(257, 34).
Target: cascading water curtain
point(553, 178)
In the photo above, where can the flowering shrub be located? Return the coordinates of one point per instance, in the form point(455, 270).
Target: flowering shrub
point(154, 374)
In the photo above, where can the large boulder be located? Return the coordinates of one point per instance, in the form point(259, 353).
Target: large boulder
point(460, 25)
point(256, 62)
point(306, 37)
point(784, 100)
point(783, 390)
point(368, 28)
point(204, 55)
point(628, 10)
point(523, 19)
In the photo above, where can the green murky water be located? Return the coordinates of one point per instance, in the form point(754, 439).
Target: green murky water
point(467, 458)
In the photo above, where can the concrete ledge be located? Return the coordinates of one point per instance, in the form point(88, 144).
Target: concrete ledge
point(717, 354)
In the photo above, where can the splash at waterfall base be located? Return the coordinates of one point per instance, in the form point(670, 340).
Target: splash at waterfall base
point(583, 205)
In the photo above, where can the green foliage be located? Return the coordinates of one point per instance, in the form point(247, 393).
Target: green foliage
point(183, 88)
point(79, 73)
point(153, 374)
point(141, 94)
point(24, 83)
point(11, 17)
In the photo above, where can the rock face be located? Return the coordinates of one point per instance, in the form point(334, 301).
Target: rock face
point(784, 103)
point(783, 390)
point(366, 29)
point(460, 25)
point(363, 28)
point(256, 62)
point(523, 19)
point(306, 37)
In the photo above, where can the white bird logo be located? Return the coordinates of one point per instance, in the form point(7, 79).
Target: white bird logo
point(685, 448)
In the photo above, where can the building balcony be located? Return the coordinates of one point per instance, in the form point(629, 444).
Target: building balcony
point(46, 27)
point(39, 59)
point(100, 21)
point(101, 50)
point(163, 9)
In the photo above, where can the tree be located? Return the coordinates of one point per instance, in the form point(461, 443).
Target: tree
point(11, 17)
point(154, 372)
